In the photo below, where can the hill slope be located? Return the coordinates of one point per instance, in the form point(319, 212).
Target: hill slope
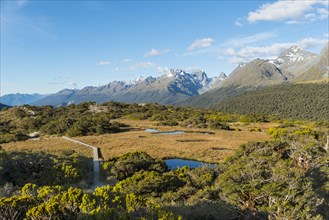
point(293, 65)
point(254, 74)
point(245, 77)
point(320, 70)
point(300, 101)
point(20, 99)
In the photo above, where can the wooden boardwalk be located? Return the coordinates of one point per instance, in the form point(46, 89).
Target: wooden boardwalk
point(96, 160)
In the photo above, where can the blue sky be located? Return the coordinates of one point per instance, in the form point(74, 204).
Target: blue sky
point(47, 46)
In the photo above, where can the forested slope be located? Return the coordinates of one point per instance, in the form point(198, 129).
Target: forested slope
point(210, 98)
point(299, 101)
point(307, 101)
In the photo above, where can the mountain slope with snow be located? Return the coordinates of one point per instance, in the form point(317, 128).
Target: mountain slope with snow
point(170, 88)
point(293, 65)
point(319, 70)
point(195, 87)
point(256, 73)
point(295, 60)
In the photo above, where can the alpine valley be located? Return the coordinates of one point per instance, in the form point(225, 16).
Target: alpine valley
point(164, 110)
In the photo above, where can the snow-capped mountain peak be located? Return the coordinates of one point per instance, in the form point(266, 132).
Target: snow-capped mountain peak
point(294, 60)
point(139, 79)
point(175, 73)
point(293, 55)
point(222, 76)
point(171, 87)
point(296, 48)
point(243, 64)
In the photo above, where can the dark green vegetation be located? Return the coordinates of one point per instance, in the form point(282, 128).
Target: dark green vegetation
point(308, 101)
point(16, 123)
point(2, 106)
point(207, 100)
point(286, 178)
point(88, 119)
point(20, 168)
point(300, 101)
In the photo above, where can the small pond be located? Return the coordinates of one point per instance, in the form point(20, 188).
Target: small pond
point(150, 130)
point(163, 132)
point(171, 132)
point(178, 163)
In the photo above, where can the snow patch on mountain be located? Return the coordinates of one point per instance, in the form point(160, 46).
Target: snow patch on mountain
point(243, 64)
point(292, 56)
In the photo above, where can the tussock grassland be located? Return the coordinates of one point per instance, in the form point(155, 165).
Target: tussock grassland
point(51, 145)
point(214, 148)
point(192, 145)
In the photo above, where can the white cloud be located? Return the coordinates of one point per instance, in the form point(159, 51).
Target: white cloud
point(238, 22)
point(248, 53)
point(292, 10)
point(144, 64)
point(163, 70)
point(250, 39)
point(292, 22)
point(127, 60)
point(310, 16)
point(103, 62)
point(200, 43)
point(154, 52)
point(192, 69)
point(141, 65)
point(234, 42)
point(311, 42)
point(323, 13)
point(72, 84)
point(116, 69)
point(65, 81)
point(229, 51)
point(326, 34)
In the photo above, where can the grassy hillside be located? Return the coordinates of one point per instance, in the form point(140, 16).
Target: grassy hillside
point(256, 73)
point(299, 101)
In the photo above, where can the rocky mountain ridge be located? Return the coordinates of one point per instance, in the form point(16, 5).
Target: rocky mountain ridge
point(170, 88)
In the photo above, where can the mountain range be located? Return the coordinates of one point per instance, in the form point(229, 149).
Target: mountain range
point(20, 99)
point(194, 88)
point(294, 65)
point(170, 88)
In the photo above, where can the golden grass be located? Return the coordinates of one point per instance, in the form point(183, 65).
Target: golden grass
point(51, 145)
point(204, 147)
point(213, 148)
